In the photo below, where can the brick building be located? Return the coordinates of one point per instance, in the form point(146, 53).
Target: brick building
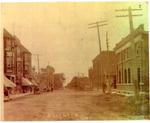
point(104, 69)
point(17, 60)
point(132, 61)
point(9, 56)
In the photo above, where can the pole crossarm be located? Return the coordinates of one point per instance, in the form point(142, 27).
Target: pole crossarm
point(97, 22)
point(129, 15)
point(122, 15)
point(136, 9)
point(97, 26)
point(119, 10)
point(137, 15)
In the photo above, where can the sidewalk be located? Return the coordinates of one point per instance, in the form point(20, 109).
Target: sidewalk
point(16, 96)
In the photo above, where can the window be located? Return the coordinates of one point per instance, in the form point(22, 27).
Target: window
point(18, 52)
point(137, 48)
point(26, 68)
point(129, 75)
point(119, 77)
point(138, 74)
point(125, 54)
point(125, 75)
point(128, 53)
point(9, 62)
point(8, 42)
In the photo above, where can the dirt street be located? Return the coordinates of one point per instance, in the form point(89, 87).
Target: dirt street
point(69, 105)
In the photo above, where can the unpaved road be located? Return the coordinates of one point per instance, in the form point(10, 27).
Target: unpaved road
point(67, 105)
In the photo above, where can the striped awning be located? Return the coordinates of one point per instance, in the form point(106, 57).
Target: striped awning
point(8, 83)
point(26, 82)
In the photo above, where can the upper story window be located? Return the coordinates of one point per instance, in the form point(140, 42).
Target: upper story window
point(128, 53)
point(8, 43)
point(9, 61)
point(18, 52)
point(137, 48)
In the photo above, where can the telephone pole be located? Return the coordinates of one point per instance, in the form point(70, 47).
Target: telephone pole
point(108, 64)
point(130, 15)
point(107, 43)
point(38, 61)
point(97, 25)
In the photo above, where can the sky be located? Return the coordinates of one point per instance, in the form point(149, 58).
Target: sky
point(59, 31)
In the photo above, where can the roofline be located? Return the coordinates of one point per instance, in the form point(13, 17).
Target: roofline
point(104, 51)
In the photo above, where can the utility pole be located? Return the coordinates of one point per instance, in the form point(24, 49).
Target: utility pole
point(97, 25)
point(108, 63)
point(38, 61)
point(129, 15)
point(107, 43)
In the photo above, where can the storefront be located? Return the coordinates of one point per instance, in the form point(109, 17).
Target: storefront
point(9, 85)
point(26, 85)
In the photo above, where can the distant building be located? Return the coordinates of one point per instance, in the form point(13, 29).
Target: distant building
point(46, 78)
point(79, 83)
point(104, 69)
point(58, 80)
point(132, 61)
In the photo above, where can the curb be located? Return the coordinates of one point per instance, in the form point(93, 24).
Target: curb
point(14, 98)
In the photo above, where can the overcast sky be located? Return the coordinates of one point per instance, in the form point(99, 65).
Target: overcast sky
point(59, 31)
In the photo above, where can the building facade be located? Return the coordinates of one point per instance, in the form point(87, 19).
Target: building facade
point(58, 80)
point(9, 56)
point(17, 60)
point(104, 70)
point(46, 78)
point(132, 61)
point(79, 83)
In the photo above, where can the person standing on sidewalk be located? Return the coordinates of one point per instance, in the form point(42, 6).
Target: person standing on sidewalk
point(6, 93)
point(104, 86)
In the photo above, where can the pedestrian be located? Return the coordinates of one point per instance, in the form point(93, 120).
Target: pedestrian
point(6, 93)
point(52, 87)
point(104, 87)
point(35, 90)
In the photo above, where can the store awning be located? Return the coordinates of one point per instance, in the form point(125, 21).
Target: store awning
point(34, 83)
point(26, 82)
point(8, 83)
